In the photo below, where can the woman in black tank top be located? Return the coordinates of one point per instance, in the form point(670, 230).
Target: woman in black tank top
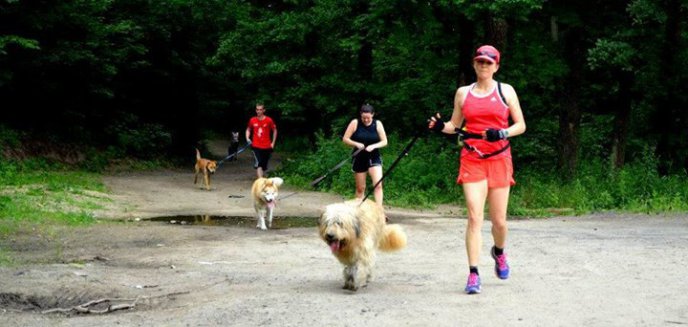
point(368, 134)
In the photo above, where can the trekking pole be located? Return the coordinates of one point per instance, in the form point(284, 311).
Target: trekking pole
point(389, 170)
point(339, 165)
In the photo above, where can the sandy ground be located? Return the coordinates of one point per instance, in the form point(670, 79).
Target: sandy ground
point(597, 270)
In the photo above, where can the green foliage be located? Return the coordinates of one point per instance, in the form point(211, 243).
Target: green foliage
point(9, 137)
point(293, 144)
point(146, 141)
point(637, 187)
point(149, 79)
point(499, 7)
point(303, 166)
point(426, 177)
point(611, 53)
point(22, 42)
point(413, 183)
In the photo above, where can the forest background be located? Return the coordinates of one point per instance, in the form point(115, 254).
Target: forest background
point(601, 84)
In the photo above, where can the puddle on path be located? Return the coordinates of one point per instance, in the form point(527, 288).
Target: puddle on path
point(249, 222)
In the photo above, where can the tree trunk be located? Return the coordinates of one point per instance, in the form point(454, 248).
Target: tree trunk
point(466, 49)
point(569, 122)
point(621, 120)
point(570, 112)
point(496, 32)
point(365, 54)
point(666, 108)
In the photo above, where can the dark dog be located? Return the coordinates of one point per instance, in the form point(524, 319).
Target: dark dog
point(205, 166)
point(233, 147)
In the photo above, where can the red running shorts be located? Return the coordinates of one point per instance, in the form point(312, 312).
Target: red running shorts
point(498, 172)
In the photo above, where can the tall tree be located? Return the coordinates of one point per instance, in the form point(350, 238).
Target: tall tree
point(671, 114)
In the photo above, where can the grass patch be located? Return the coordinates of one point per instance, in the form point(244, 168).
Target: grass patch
point(38, 193)
point(635, 188)
point(5, 258)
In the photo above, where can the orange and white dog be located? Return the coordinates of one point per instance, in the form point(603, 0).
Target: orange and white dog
point(205, 166)
point(265, 192)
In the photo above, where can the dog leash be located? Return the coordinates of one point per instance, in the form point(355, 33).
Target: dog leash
point(287, 196)
point(317, 181)
point(403, 153)
point(234, 154)
point(313, 183)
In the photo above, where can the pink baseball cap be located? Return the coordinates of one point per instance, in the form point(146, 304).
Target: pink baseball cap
point(487, 52)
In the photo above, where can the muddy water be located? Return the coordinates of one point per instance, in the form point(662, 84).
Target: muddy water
point(248, 222)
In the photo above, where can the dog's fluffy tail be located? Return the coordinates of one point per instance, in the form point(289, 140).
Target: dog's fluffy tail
point(393, 238)
point(198, 154)
point(277, 181)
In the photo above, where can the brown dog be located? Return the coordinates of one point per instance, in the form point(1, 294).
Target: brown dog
point(206, 166)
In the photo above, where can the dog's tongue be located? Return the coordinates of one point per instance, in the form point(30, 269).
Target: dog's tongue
point(334, 246)
point(271, 204)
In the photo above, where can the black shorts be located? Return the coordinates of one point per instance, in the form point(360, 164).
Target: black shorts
point(261, 158)
point(364, 160)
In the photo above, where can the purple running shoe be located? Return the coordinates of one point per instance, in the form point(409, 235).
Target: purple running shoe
point(501, 266)
point(473, 284)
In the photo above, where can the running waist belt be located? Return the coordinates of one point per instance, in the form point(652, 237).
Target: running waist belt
point(464, 135)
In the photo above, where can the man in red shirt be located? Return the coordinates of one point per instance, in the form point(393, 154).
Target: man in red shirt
point(258, 133)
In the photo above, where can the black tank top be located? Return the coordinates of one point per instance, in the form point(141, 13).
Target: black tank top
point(367, 135)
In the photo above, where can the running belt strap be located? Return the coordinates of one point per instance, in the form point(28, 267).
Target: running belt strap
point(486, 155)
point(464, 135)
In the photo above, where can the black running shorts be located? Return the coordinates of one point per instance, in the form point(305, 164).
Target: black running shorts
point(261, 158)
point(364, 160)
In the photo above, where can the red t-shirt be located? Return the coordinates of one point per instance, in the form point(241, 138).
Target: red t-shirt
point(483, 111)
point(261, 131)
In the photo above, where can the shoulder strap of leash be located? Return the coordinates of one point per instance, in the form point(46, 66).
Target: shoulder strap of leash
point(499, 90)
point(464, 134)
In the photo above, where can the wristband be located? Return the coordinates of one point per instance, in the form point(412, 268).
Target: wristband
point(439, 126)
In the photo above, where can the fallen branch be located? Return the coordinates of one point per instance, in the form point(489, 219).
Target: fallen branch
point(84, 308)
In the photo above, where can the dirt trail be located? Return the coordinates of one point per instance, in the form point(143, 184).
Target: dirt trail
point(599, 270)
point(172, 193)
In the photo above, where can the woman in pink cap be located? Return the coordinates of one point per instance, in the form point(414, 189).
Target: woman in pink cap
point(486, 170)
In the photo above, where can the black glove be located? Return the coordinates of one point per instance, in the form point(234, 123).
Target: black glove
point(494, 135)
point(439, 124)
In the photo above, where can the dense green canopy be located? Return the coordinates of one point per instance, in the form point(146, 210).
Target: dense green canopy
point(597, 79)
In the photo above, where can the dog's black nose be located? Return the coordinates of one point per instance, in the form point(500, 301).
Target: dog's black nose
point(330, 237)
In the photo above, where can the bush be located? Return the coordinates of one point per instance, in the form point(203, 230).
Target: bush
point(9, 137)
point(141, 140)
point(413, 183)
point(427, 177)
point(637, 187)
